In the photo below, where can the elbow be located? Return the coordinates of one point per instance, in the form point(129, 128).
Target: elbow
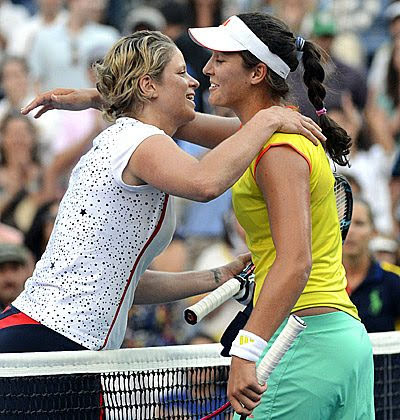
point(298, 267)
point(207, 190)
point(304, 266)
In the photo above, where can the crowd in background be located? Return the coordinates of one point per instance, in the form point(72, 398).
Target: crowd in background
point(46, 44)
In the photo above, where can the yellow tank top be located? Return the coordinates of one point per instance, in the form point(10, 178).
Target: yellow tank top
point(326, 285)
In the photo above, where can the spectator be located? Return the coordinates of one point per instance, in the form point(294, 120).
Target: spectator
point(371, 162)
point(195, 56)
point(387, 106)
point(10, 235)
point(20, 171)
point(18, 89)
point(144, 17)
point(50, 13)
point(380, 62)
point(12, 18)
point(221, 252)
point(353, 18)
point(200, 338)
point(15, 84)
point(374, 290)
point(234, 7)
point(340, 79)
point(15, 267)
point(385, 249)
point(202, 13)
point(297, 14)
point(42, 225)
point(59, 54)
point(75, 135)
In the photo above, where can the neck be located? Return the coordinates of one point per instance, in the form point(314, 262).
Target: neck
point(252, 104)
point(356, 265)
point(148, 116)
point(49, 16)
point(76, 22)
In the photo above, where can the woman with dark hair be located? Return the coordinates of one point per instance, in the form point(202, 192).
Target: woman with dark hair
point(38, 235)
point(118, 214)
point(286, 204)
point(20, 171)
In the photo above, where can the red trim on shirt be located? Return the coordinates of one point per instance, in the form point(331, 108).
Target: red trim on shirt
point(17, 319)
point(8, 307)
point(156, 230)
point(261, 154)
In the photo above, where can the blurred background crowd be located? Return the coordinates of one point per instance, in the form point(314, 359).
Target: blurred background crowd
point(46, 44)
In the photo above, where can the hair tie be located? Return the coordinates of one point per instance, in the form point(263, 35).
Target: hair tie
point(321, 111)
point(299, 43)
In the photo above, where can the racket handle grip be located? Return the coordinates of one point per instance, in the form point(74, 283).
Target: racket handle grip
point(195, 313)
point(288, 335)
point(292, 329)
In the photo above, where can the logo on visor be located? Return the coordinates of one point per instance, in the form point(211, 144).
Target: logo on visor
point(226, 22)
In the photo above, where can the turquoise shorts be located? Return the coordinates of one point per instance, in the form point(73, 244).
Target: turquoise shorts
point(327, 374)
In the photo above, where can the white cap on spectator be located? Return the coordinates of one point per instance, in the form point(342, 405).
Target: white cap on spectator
point(144, 15)
point(382, 244)
point(393, 10)
point(234, 35)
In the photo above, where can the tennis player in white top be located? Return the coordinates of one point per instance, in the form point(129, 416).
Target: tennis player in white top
point(117, 213)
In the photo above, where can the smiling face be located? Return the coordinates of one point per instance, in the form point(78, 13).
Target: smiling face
point(230, 81)
point(175, 92)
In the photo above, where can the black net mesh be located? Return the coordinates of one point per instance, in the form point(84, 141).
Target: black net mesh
point(176, 392)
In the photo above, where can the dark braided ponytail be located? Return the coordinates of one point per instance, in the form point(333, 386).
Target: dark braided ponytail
point(280, 40)
point(338, 142)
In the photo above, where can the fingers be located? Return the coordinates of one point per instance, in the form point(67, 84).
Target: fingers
point(312, 131)
point(43, 110)
point(43, 99)
point(245, 402)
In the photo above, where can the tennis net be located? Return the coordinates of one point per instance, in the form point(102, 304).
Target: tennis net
point(176, 382)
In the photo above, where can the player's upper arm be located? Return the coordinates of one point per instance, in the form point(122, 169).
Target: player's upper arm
point(159, 162)
point(208, 130)
point(283, 175)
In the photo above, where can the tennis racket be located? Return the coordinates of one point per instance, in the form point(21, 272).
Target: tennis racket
point(195, 313)
point(344, 203)
point(292, 329)
point(344, 206)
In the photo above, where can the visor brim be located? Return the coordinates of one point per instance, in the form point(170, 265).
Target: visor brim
point(215, 39)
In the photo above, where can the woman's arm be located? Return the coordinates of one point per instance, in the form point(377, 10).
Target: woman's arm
point(69, 99)
point(208, 130)
point(205, 130)
point(160, 287)
point(283, 176)
point(158, 161)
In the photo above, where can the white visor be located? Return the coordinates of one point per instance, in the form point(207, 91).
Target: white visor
point(235, 35)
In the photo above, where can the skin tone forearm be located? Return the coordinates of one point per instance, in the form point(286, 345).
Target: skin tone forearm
point(215, 172)
point(205, 130)
point(208, 130)
point(161, 287)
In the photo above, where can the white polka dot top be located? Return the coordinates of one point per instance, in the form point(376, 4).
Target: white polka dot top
point(105, 236)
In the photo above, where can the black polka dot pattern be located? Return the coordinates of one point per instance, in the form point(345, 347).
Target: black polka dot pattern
point(105, 236)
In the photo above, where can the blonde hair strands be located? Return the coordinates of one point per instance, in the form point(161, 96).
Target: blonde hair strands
point(132, 57)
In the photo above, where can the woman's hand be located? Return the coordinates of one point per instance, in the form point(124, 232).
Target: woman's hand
point(235, 267)
point(244, 391)
point(290, 121)
point(69, 99)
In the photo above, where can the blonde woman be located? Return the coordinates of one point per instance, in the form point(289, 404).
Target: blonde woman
point(118, 213)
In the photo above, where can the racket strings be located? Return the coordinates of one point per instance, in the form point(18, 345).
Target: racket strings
point(341, 204)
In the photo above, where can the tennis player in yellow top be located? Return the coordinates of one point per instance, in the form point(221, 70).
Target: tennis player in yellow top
point(285, 202)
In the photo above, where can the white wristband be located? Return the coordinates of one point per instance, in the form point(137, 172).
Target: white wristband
point(248, 346)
